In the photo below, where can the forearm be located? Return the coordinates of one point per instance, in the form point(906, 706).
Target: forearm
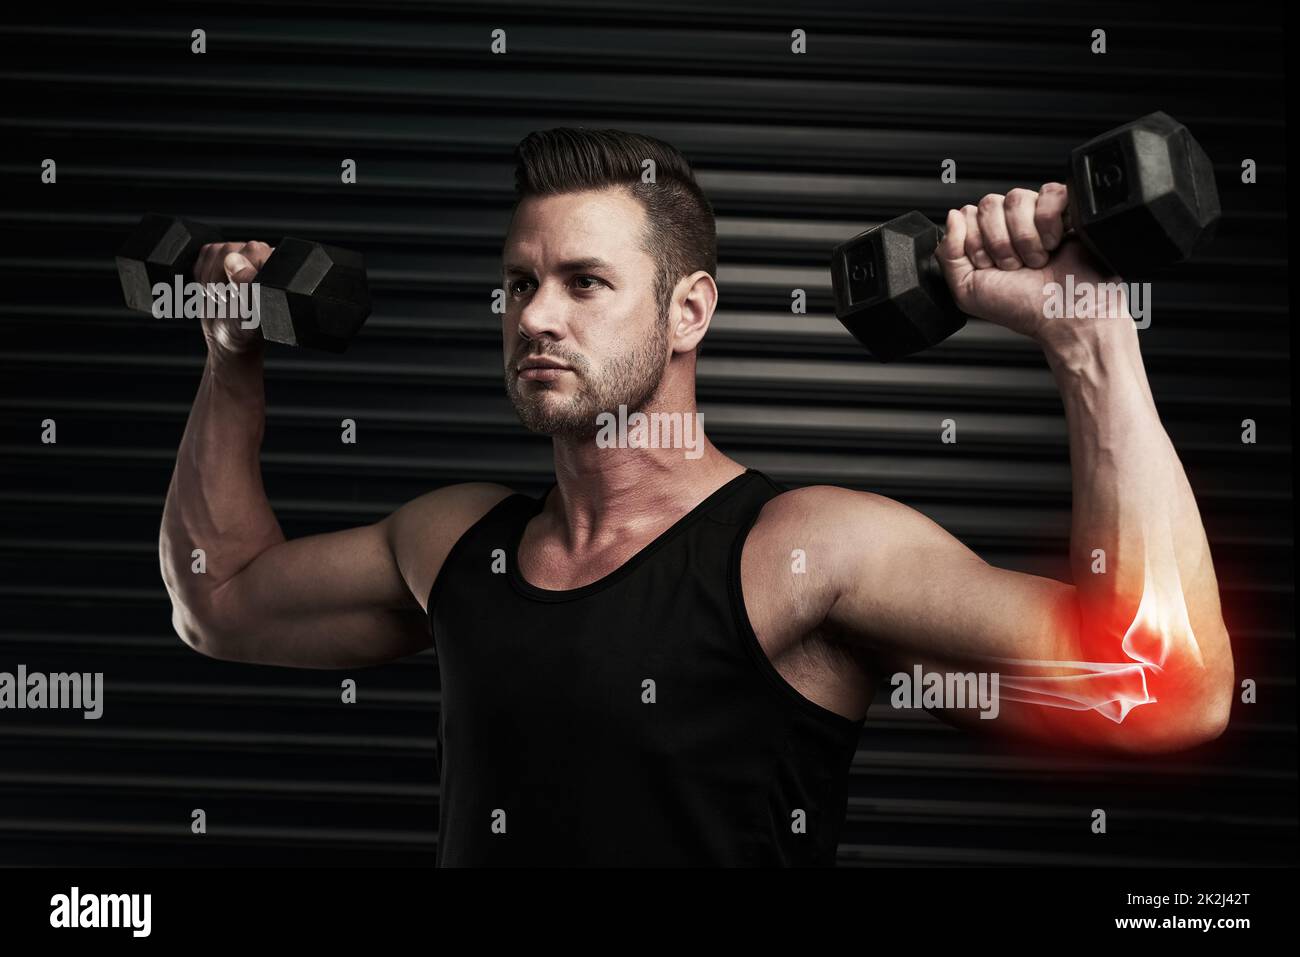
point(216, 502)
point(1141, 563)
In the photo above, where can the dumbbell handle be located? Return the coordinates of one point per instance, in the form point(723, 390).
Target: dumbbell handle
point(930, 264)
point(932, 271)
point(1066, 219)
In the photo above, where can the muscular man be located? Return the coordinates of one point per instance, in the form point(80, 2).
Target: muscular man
point(667, 657)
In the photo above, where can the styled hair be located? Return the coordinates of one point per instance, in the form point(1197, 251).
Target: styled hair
point(681, 235)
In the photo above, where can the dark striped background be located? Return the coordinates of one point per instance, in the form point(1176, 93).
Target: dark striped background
point(797, 153)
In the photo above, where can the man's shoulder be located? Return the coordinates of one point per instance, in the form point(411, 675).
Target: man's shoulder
point(840, 538)
point(422, 533)
point(823, 508)
point(850, 532)
point(841, 527)
point(432, 523)
point(454, 506)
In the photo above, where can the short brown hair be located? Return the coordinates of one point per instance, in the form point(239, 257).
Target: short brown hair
point(681, 233)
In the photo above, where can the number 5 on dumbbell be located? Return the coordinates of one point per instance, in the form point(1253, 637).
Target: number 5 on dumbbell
point(311, 295)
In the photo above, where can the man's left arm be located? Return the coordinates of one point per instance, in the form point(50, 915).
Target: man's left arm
point(1134, 656)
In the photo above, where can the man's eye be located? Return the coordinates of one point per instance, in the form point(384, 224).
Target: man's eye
point(515, 289)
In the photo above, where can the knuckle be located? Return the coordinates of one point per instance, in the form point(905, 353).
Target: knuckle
point(1019, 196)
point(990, 202)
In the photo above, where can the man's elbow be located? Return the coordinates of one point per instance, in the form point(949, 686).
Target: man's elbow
point(200, 633)
point(1216, 725)
point(1215, 703)
point(1216, 712)
point(1170, 736)
point(1196, 721)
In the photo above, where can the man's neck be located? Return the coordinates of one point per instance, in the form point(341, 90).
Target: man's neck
point(608, 493)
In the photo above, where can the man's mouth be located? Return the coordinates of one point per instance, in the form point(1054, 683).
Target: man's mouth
point(541, 369)
point(543, 373)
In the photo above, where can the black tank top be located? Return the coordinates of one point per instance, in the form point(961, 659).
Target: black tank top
point(634, 721)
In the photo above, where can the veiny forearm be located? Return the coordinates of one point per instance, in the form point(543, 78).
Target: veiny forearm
point(216, 501)
point(1157, 598)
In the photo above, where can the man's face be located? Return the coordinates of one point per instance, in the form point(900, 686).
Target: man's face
point(581, 289)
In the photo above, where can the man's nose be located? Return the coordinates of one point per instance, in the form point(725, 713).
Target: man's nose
point(542, 314)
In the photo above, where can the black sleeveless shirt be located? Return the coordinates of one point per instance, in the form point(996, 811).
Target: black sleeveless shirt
point(634, 721)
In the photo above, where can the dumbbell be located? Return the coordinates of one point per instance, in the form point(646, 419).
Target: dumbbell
point(310, 294)
point(1142, 196)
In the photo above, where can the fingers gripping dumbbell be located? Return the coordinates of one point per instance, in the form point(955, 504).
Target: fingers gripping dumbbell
point(311, 295)
point(1141, 196)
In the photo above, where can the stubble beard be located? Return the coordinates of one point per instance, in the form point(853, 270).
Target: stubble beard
point(630, 380)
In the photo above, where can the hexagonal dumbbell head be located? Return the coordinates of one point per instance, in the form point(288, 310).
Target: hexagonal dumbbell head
point(159, 249)
point(1143, 194)
point(313, 295)
point(889, 290)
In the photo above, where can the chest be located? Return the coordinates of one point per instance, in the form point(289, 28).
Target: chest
point(783, 599)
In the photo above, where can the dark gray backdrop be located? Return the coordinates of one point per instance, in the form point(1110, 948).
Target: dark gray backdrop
point(796, 153)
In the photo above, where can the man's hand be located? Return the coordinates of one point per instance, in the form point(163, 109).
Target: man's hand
point(218, 265)
point(1000, 256)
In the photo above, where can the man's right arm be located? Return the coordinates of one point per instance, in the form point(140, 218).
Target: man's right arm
point(337, 600)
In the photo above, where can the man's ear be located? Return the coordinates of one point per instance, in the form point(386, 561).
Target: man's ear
point(694, 299)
